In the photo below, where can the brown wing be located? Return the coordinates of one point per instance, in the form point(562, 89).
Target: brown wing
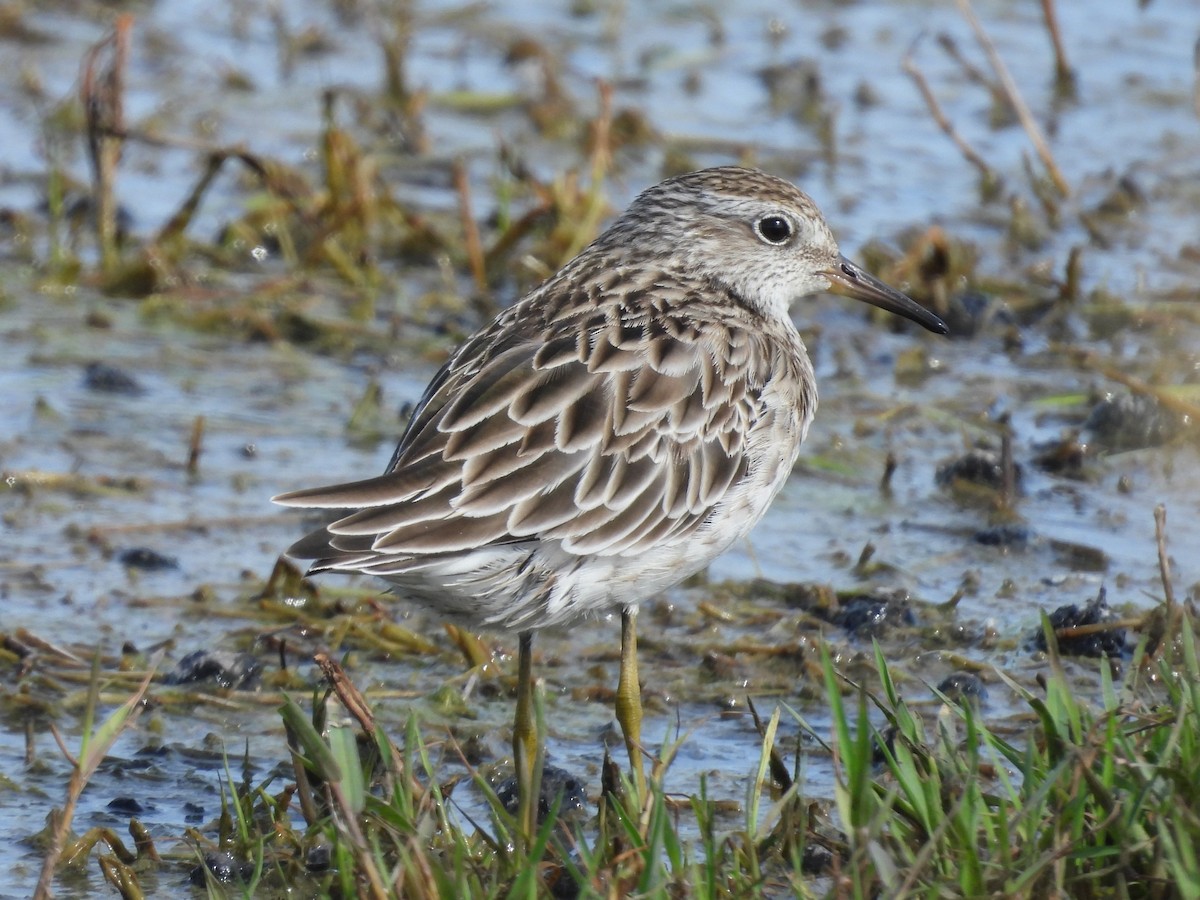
point(608, 434)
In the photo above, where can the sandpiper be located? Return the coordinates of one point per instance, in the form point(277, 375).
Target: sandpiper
point(612, 432)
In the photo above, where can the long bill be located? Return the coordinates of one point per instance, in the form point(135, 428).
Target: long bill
point(852, 281)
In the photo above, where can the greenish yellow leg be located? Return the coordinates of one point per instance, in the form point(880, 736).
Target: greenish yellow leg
point(629, 697)
point(525, 739)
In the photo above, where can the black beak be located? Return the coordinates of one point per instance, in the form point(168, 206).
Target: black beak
point(852, 281)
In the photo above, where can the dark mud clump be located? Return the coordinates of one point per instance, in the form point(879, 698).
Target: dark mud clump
point(870, 615)
point(319, 858)
point(232, 671)
point(1065, 457)
point(1132, 422)
point(558, 786)
point(1009, 536)
point(963, 688)
point(223, 868)
point(972, 313)
point(147, 560)
point(107, 379)
point(126, 806)
point(979, 466)
point(1079, 629)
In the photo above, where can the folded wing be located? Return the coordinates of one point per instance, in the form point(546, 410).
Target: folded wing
point(607, 434)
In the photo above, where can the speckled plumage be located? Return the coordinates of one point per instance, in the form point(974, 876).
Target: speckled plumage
point(610, 434)
point(616, 429)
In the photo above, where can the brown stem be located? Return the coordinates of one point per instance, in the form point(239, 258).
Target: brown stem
point(970, 154)
point(101, 92)
point(1014, 97)
point(470, 228)
point(1164, 564)
point(195, 446)
point(1062, 69)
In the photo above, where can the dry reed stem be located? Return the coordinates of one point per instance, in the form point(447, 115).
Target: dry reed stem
point(974, 74)
point(195, 446)
point(179, 221)
point(1014, 97)
point(1062, 69)
point(1172, 619)
point(970, 154)
point(470, 228)
point(600, 161)
point(1164, 564)
point(358, 707)
point(1008, 494)
point(101, 92)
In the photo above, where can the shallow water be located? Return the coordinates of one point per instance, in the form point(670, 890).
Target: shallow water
point(275, 415)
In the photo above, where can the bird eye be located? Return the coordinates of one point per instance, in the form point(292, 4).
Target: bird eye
point(774, 229)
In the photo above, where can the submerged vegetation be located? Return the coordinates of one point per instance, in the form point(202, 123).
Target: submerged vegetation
point(355, 754)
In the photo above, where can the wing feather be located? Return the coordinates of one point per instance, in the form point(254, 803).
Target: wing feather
point(452, 535)
point(606, 431)
point(393, 487)
point(378, 520)
point(592, 485)
point(655, 392)
point(547, 396)
point(539, 474)
point(630, 482)
point(489, 391)
point(483, 437)
point(544, 511)
point(670, 356)
point(582, 424)
point(600, 536)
